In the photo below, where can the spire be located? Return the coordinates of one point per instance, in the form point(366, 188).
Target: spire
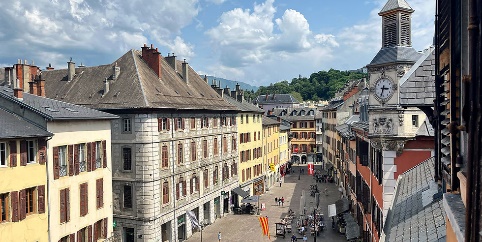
point(392, 5)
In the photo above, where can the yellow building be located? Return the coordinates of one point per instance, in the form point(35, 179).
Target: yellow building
point(284, 147)
point(271, 134)
point(23, 179)
point(249, 121)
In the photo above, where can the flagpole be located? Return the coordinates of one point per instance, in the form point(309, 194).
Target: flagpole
point(201, 225)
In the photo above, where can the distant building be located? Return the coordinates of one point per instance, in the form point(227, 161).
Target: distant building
point(270, 101)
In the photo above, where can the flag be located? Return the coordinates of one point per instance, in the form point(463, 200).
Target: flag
point(264, 225)
point(194, 221)
point(311, 169)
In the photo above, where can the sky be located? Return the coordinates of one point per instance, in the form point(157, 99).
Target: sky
point(256, 42)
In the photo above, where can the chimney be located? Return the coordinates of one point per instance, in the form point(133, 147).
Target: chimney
point(227, 91)
point(49, 68)
point(32, 87)
point(106, 86)
point(116, 70)
point(152, 57)
point(171, 60)
point(234, 94)
point(237, 87)
point(240, 96)
point(270, 112)
point(185, 71)
point(41, 87)
point(214, 86)
point(206, 78)
point(81, 65)
point(18, 93)
point(71, 69)
point(220, 91)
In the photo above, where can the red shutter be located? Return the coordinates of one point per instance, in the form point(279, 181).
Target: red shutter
point(70, 155)
point(168, 124)
point(159, 124)
point(96, 229)
point(72, 237)
point(14, 202)
point(41, 198)
point(86, 200)
point(23, 204)
point(76, 159)
point(104, 153)
point(67, 203)
point(81, 200)
point(62, 206)
point(42, 151)
point(56, 162)
point(13, 153)
point(23, 153)
point(79, 236)
point(100, 192)
point(93, 159)
point(89, 157)
point(104, 234)
point(89, 233)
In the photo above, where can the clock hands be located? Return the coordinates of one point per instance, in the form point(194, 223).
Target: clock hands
point(383, 89)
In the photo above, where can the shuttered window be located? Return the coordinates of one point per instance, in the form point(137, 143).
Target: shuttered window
point(215, 146)
point(23, 153)
point(225, 145)
point(233, 144)
point(165, 192)
point(180, 154)
point(31, 151)
point(215, 175)
point(13, 153)
point(15, 205)
point(64, 205)
point(193, 151)
point(206, 178)
point(165, 157)
point(41, 199)
point(163, 124)
point(4, 207)
point(104, 153)
point(84, 199)
point(205, 148)
point(193, 123)
point(99, 191)
point(3, 154)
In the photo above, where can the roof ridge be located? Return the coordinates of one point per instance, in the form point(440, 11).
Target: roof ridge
point(146, 103)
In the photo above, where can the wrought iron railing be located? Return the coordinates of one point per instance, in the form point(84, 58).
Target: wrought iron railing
point(82, 166)
point(63, 170)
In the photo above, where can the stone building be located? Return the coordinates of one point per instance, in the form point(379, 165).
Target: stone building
point(270, 101)
point(174, 147)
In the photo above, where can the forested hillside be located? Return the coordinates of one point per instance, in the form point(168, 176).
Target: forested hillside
point(319, 86)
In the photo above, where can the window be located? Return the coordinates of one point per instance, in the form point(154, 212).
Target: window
point(179, 124)
point(247, 119)
point(215, 146)
point(165, 157)
point(205, 148)
point(127, 158)
point(193, 151)
point(98, 154)
point(223, 121)
point(82, 235)
point(205, 122)
point(99, 192)
point(64, 205)
point(81, 157)
point(127, 196)
point(242, 117)
point(233, 120)
point(206, 178)
point(225, 145)
point(215, 175)
point(193, 123)
point(126, 125)
point(163, 124)
point(63, 161)
point(129, 234)
point(194, 184)
point(180, 153)
point(31, 151)
point(233, 144)
point(215, 122)
point(415, 120)
point(4, 206)
point(165, 192)
point(3, 154)
point(84, 199)
point(181, 188)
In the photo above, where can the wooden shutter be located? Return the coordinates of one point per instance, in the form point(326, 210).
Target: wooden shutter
point(175, 124)
point(104, 154)
point(93, 159)
point(62, 206)
point(89, 233)
point(76, 159)
point(56, 162)
point(191, 185)
point(184, 188)
point(168, 124)
point(23, 152)
point(79, 236)
point(42, 151)
point(13, 153)
point(100, 192)
point(23, 204)
point(15, 205)
point(72, 237)
point(70, 150)
point(177, 191)
point(104, 231)
point(83, 199)
point(41, 199)
point(159, 124)
point(89, 156)
point(183, 123)
point(67, 203)
point(197, 183)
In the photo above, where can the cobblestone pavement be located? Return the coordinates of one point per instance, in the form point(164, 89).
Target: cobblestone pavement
point(243, 228)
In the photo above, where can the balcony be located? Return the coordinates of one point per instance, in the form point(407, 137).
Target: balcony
point(63, 170)
point(82, 166)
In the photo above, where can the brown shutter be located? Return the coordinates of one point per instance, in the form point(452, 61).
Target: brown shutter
point(23, 205)
point(104, 234)
point(89, 233)
point(76, 159)
point(62, 206)
point(42, 151)
point(23, 152)
point(67, 203)
point(89, 156)
point(104, 153)
point(100, 192)
point(56, 162)
point(13, 153)
point(14, 202)
point(159, 124)
point(183, 124)
point(197, 183)
point(72, 237)
point(191, 185)
point(70, 150)
point(177, 191)
point(79, 236)
point(168, 124)
point(82, 199)
point(93, 159)
point(184, 188)
point(175, 124)
point(41, 198)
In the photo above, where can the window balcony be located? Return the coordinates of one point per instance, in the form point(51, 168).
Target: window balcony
point(63, 170)
point(82, 166)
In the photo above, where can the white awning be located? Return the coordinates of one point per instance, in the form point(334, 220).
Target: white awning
point(240, 192)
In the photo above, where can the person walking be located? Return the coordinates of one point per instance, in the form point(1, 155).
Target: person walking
point(280, 183)
point(219, 237)
point(282, 201)
point(276, 200)
point(293, 238)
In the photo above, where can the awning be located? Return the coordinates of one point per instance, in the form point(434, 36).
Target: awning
point(252, 199)
point(240, 192)
point(342, 205)
point(352, 228)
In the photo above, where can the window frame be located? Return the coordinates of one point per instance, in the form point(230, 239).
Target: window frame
point(125, 198)
point(3, 155)
point(180, 153)
point(124, 158)
point(126, 125)
point(165, 192)
point(4, 207)
point(63, 163)
point(31, 152)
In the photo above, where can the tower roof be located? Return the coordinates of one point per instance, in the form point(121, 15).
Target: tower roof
point(396, 5)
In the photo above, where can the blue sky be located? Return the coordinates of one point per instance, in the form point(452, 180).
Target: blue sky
point(257, 42)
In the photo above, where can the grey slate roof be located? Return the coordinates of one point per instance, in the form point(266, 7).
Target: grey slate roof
point(395, 55)
point(396, 4)
point(137, 86)
point(360, 125)
point(14, 126)
point(53, 109)
point(269, 121)
point(333, 105)
point(426, 129)
point(345, 128)
point(417, 86)
point(417, 213)
point(276, 98)
point(243, 106)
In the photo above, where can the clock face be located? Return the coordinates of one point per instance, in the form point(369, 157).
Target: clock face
point(384, 89)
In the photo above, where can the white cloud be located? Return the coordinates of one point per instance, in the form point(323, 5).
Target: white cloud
point(217, 1)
